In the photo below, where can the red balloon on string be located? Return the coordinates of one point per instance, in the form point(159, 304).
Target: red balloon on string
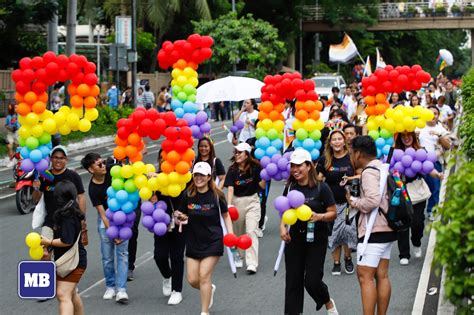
point(244, 242)
point(233, 213)
point(230, 240)
point(25, 63)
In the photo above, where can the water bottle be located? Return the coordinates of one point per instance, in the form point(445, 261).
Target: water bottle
point(395, 201)
point(310, 232)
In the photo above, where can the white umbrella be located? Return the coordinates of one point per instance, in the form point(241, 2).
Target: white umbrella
point(446, 56)
point(229, 89)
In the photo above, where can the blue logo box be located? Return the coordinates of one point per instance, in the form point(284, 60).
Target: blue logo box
point(36, 280)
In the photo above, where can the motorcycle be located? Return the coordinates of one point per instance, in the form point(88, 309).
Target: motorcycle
point(24, 188)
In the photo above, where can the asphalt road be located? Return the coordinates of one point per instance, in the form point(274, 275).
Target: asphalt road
point(258, 294)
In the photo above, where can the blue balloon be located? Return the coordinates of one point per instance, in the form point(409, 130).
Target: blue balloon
point(308, 144)
point(314, 154)
point(379, 153)
point(44, 150)
point(179, 112)
point(25, 152)
point(35, 155)
point(128, 207)
point(111, 192)
point(121, 196)
point(278, 144)
point(264, 143)
point(386, 149)
point(297, 143)
point(259, 153)
point(134, 197)
point(113, 204)
point(318, 144)
point(380, 142)
point(189, 107)
point(271, 151)
point(389, 141)
point(175, 103)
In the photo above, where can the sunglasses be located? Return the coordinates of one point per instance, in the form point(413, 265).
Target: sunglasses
point(100, 164)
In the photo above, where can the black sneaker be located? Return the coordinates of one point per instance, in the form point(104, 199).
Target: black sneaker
point(336, 270)
point(348, 265)
point(130, 275)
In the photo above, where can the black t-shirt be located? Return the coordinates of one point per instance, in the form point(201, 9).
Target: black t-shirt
point(318, 198)
point(98, 192)
point(47, 188)
point(245, 184)
point(338, 169)
point(68, 231)
point(204, 235)
point(217, 167)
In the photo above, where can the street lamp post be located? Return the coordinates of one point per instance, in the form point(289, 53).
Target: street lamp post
point(134, 50)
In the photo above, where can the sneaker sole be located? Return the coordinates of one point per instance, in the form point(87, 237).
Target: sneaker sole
point(336, 273)
point(348, 272)
point(122, 301)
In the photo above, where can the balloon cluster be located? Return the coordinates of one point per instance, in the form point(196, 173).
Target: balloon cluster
point(292, 207)
point(277, 167)
point(308, 126)
point(243, 241)
point(238, 125)
point(185, 56)
point(38, 123)
point(155, 218)
point(33, 241)
point(411, 161)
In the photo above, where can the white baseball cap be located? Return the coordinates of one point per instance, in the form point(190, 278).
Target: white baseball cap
point(202, 168)
point(299, 156)
point(59, 148)
point(241, 147)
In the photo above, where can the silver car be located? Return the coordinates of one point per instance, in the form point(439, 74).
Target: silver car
point(325, 82)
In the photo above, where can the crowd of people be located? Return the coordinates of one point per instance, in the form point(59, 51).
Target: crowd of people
point(341, 188)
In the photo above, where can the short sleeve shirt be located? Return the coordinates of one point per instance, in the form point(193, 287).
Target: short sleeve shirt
point(334, 174)
point(68, 231)
point(245, 184)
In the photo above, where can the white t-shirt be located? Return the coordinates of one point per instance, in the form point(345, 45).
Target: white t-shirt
point(430, 135)
point(445, 111)
point(248, 131)
point(349, 105)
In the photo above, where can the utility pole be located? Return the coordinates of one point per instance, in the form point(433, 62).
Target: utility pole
point(53, 34)
point(134, 50)
point(71, 27)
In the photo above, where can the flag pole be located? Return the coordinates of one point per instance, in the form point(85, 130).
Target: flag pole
point(363, 61)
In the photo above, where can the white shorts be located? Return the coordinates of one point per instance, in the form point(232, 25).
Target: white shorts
point(373, 253)
point(12, 137)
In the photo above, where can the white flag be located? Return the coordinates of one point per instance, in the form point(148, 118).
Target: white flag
point(344, 51)
point(380, 63)
point(367, 68)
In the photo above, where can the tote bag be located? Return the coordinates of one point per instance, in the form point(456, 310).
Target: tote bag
point(418, 191)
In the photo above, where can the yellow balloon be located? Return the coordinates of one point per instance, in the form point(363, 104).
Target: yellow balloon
point(389, 113)
point(49, 125)
point(65, 110)
point(371, 125)
point(59, 118)
point(91, 114)
point(138, 168)
point(319, 125)
point(189, 72)
point(140, 181)
point(32, 119)
point(309, 125)
point(33, 239)
point(45, 115)
point(188, 177)
point(267, 124)
point(64, 130)
point(176, 73)
point(289, 217)
point(173, 178)
point(36, 253)
point(162, 179)
point(420, 123)
point(409, 111)
point(78, 111)
point(173, 82)
point(145, 193)
point(399, 127)
point(194, 82)
point(182, 80)
point(24, 132)
point(164, 191)
point(84, 125)
point(279, 125)
point(126, 171)
point(297, 124)
point(72, 121)
point(150, 168)
point(304, 213)
point(398, 115)
point(153, 184)
point(427, 115)
point(174, 190)
point(389, 124)
point(22, 120)
point(379, 120)
point(37, 131)
point(417, 111)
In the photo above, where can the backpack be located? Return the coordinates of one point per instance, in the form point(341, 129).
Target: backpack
point(399, 214)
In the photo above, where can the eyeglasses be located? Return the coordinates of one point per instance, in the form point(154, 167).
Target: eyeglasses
point(59, 158)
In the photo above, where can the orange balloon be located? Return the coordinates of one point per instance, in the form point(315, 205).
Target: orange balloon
point(166, 167)
point(173, 157)
point(95, 90)
point(23, 109)
point(279, 108)
point(140, 146)
point(274, 115)
point(90, 102)
point(121, 142)
point(134, 138)
point(380, 109)
point(301, 115)
point(380, 98)
point(262, 116)
point(319, 105)
point(188, 156)
point(314, 115)
point(182, 167)
point(180, 64)
point(131, 151)
point(83, 90)
point(76, 101)
point(43, 97)
point(18, 97)
point(299, 105)
point(370, 110)
point(72, 89)
point(137, 157)
point(30, 97)
point(39, 107)
point(370, 100)
point(266, 106)
point(119, 153)
point(164, 155)
point(192, 65)
point(309, 106)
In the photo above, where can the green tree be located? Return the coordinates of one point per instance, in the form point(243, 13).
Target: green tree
point(252, 44)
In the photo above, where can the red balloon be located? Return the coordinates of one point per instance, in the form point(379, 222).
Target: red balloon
point(159, 125)
point(181, 146)
point(268, 79)
point(39, 87)
point(415, 85)
point(179, 44)
point(244, 242)
point(90, 79)
point(74, 59)
point(234, 213)
point(82, 61)
point(41, 75)
point(265, 97)
point(277, 78)
point(138, 116)
point(123, 133)
point(146, 126)
point(166, 44)
point(207, 41)
point(25, 63)
point(405, 70)
point(309, 85)
point(206, 53)
point(382, 75)
point(154, 134)
point(62, 75)
point(78, 78)
point(167, 145)
point(295, 75)
point(120, 123)
point(49, 56)
point(365, 82)
point(393, 75)
point(90, 67)
point(402, 80)
point(37, 63)
point(72, 69)
point(22, 87)
point(62, 60)
point(286, 75)
point(17, 75)
point(230, 240)
point(52, 69)
point(170, 118)
point(387, 86)
point(415, 68)
point(312, 95)
point(300, 95)
point(171, 133)
point(371, 90)
point(186, 132)
point(169, 48)
point(388, 68)
point(195, 40)
point(152, 114)
point(297, 84)
point(373, 80)
point(181, 123)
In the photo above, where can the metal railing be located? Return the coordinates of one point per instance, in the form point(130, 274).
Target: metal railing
point(404, 10)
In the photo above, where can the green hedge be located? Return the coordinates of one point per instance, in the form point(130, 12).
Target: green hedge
point(466, 129)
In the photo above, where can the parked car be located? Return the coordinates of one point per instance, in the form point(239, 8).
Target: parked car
point(325, 82)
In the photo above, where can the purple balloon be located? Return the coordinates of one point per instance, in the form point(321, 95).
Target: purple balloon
point(162, 205)
point(431, 156)
point(281, 203)
point(287, 155)
point(399, 167)
point(147, 208)
point(428, 166)
point(195, 129)
point(201, 117)
point(272, 169)
point(27, 165)
point(416, 166)
point(398, 154)
point(296, 198)
point(158, 215)
point(160, 228)
point(410, 151)
point(131, 216)
point(119, 217)
point(421, 155)
point(276, 158)
point(265, 161)
point(205, 127)
point(285, 174)
point(166, 219)
point(190, 118)
point(282, 164)
point(128, 224)
point(264, 175)
point(239, 124)
point(148, 221)
point(234, 129)
point(125, 233)
point(406, 161)
point(109, 214)
point(112, 232)
point(42, 165)
point(409, 172)
point(278, 176)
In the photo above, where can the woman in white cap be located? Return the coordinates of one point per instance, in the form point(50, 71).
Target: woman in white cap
point(202, 205)
point(243, 183)
point(306, 242)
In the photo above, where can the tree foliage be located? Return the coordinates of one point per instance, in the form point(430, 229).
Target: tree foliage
point(252, 44)
point(342, 12)
point(466, 128)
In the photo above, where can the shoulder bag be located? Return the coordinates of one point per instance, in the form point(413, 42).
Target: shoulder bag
point(418, 191)
point(69, 260)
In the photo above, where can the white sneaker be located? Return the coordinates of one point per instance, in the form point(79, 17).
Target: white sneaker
point(175, 298)
point(431, 217)
point(212, 295)
point(259, 233)
point(333, 309)
point(167, 287)
point(264, 226)
point(122, 297)
point(404, 261)
point(109, 294)
point(417, 251)
point(238, 261)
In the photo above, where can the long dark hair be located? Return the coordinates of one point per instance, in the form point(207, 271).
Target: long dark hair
point(400, 145)
point(212, 152)
point(249, 163)
point(329, 153)
point(65, 194)
point(312, 177)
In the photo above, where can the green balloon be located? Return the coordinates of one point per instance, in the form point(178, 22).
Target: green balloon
point(182, 96)
point(384, 133)
point(117, 183)
point(21, 142)
point(192, 98)
point(272, 134)
point(45, 138)
point(189, 89)
point(259, 133)
point(115, 171)
point(315, 135)
point(301, 134)
point(373, 134)
point(130, 186)
point(176, 89)
point(32, 143)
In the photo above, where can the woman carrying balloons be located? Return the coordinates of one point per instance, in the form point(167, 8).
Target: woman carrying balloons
point(207, 153)
point(306, 246)
point(202, 205)
point(336, 167)
point(67, 230)
point(243, 182)
point(249, 115)
point(404, 141)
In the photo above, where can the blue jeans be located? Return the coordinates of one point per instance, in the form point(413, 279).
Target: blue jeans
point(114, 278)
point(435, 185)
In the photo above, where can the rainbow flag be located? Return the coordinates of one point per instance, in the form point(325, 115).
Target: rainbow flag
point(344, 51)
point(441, 63)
